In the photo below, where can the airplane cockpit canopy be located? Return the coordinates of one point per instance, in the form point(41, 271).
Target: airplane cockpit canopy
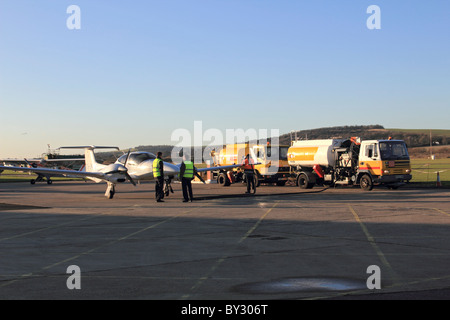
point(137, 157)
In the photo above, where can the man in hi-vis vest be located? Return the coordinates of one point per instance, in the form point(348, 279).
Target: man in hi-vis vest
point(158, 174)
point(187, 172)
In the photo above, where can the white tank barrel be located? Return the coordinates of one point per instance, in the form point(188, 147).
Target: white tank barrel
point(308, 153)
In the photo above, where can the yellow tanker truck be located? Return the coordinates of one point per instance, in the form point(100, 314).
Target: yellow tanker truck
point(271, 163)
point(350, 162)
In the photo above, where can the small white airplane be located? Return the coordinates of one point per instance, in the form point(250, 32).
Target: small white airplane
point(134, 166)
point(39, 162)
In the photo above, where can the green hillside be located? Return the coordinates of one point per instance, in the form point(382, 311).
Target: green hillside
point(434, 132)
point(412, 137)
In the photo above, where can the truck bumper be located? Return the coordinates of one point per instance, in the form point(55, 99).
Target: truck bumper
point(394, 178)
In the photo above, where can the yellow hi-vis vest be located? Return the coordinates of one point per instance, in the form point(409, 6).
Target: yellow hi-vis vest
point(156, 165)
point(189, 170)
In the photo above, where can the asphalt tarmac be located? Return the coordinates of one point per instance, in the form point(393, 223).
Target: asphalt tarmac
point(282, 243)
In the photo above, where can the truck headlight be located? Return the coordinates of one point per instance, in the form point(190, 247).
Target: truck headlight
point(386, 171)
point(408, 171)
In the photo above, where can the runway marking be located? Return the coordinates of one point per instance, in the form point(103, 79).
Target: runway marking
point(374, 245)
point(225, 257)
point(440, 211)
point(250, 231)
point(51, 227)
point(101, 246)
point(12, 215)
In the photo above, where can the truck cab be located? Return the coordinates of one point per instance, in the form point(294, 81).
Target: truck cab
point(273, 166)
point(383, 162)
point(271, 163)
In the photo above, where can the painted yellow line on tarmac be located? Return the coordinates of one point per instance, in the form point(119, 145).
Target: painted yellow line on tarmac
point(374, 245)
point(440, 211)
point(52, 227)
point(225, 257)
point(250, 231)
point(101, 246)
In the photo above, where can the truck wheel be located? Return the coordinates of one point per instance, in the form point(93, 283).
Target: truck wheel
point(304, 182)
point(257, 181)
point(366, 183)
point(223, 180)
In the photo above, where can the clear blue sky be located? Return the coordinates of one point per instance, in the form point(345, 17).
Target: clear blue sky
point(138, 70)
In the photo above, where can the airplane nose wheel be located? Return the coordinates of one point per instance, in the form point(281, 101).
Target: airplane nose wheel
point(110, 191)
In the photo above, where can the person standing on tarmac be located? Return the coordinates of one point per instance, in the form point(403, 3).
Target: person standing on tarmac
point(187, 172)
point(249, 171)
point(158, 174)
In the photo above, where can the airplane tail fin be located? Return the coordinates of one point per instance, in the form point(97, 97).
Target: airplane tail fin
point(89, 157)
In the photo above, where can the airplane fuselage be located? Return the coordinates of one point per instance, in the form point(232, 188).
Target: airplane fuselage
point(140, 166)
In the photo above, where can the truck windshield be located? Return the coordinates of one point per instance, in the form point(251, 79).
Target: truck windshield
point(284, 153)
point(277, 153)
point(393, 150)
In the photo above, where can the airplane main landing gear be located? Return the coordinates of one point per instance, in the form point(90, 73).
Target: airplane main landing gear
point(41, 178)
point(168, 187)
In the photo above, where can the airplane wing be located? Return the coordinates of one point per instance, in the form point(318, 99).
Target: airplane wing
point(215, 168)
point(11, 160)
point(63, 160)
point(42, 161)
point(47, 171)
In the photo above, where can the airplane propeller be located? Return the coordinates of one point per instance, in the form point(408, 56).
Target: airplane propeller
point(128, 157)
point(121, 169)
point(126, 172)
